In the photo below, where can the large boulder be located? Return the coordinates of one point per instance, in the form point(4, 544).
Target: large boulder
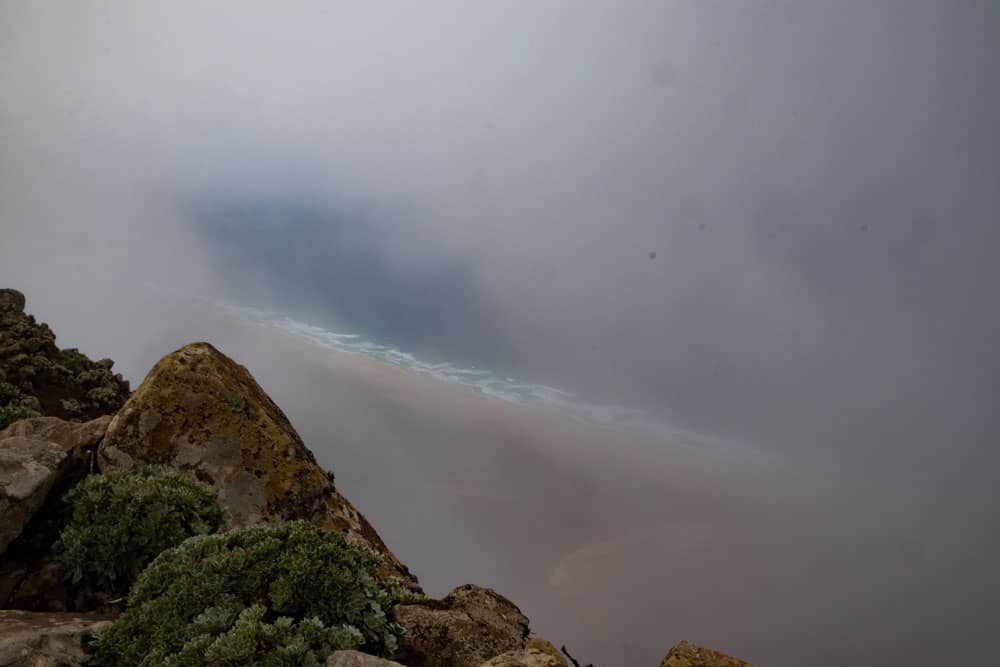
point(29, 468)
point(200, 411)
point(686, 654)
point(358, 659)
point(466, 628)
point(40, 459)
point(47, 640)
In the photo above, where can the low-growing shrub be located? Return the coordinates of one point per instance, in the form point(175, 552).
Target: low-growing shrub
point(12, 413)
point(264, 596)
point(121, 520)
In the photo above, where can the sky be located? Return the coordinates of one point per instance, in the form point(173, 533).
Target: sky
point(819, 182)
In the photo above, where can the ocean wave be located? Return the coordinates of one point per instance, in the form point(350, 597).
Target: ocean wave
point(495, 386)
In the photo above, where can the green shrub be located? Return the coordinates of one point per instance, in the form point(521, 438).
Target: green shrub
point(122, 520)
point(8, 392)
point(11, 413)
point(266, 596)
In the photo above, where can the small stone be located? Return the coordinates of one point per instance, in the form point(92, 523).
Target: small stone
point(358, 659)
point(30, 639)
point(686, 654)
point(537, 653)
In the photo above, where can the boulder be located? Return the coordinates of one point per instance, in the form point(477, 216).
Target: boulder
point(538, 653)
point(686, 654)
point(466, 628)
point(46, 640)
point(72, 436)
point(51, 455)
point(358, 659)
point(200, 411)
point(29, 468)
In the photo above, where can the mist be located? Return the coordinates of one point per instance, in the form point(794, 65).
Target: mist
point(773, 223)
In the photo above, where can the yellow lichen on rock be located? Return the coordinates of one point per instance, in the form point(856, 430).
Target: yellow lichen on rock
point(200, 411)
point(686, 654)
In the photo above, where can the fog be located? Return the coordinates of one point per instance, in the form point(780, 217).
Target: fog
point(769, 222)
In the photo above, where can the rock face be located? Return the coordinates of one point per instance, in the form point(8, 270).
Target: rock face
point(29, 467)
point(686, 654)
point(200, 411)
point(46, 640)
point(466, 628)
point(358, 659)
point(537, 653)
point(70, 435)
point(39, 456)
point(40, 459)
point(36, 377)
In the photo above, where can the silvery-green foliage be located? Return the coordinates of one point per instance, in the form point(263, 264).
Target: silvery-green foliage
point(121, 520)
point(265, 596)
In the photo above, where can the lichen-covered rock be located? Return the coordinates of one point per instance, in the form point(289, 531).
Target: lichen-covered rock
point(358, 659)
point(538, 653)
point(36, 377)
point(466, 628)
point(200, 411)
point(47, 640)
point(686, 654)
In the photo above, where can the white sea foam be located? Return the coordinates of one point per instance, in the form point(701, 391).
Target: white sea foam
point(500, 387)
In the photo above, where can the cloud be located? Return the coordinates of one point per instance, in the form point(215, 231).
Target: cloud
point(818, 184)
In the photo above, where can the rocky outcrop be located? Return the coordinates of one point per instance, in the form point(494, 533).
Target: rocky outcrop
point(11, 301)
point(358, 659)
point(37, 378)
point(46, 640)
point(466, 628)
point(40, 459)
point(686, 654)
point(202, 412)
point(198, 411)
point(29, 468)
point(538, 653)
point(70, 435)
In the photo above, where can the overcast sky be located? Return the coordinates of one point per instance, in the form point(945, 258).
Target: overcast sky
point(819, 182)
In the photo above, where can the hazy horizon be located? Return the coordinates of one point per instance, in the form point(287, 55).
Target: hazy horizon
point(770, 223)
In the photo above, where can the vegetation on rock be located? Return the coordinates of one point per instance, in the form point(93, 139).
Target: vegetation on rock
point(37, 378)
point(120, 521)
point(12, 413)
point(199, 410)
point(265, 596)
